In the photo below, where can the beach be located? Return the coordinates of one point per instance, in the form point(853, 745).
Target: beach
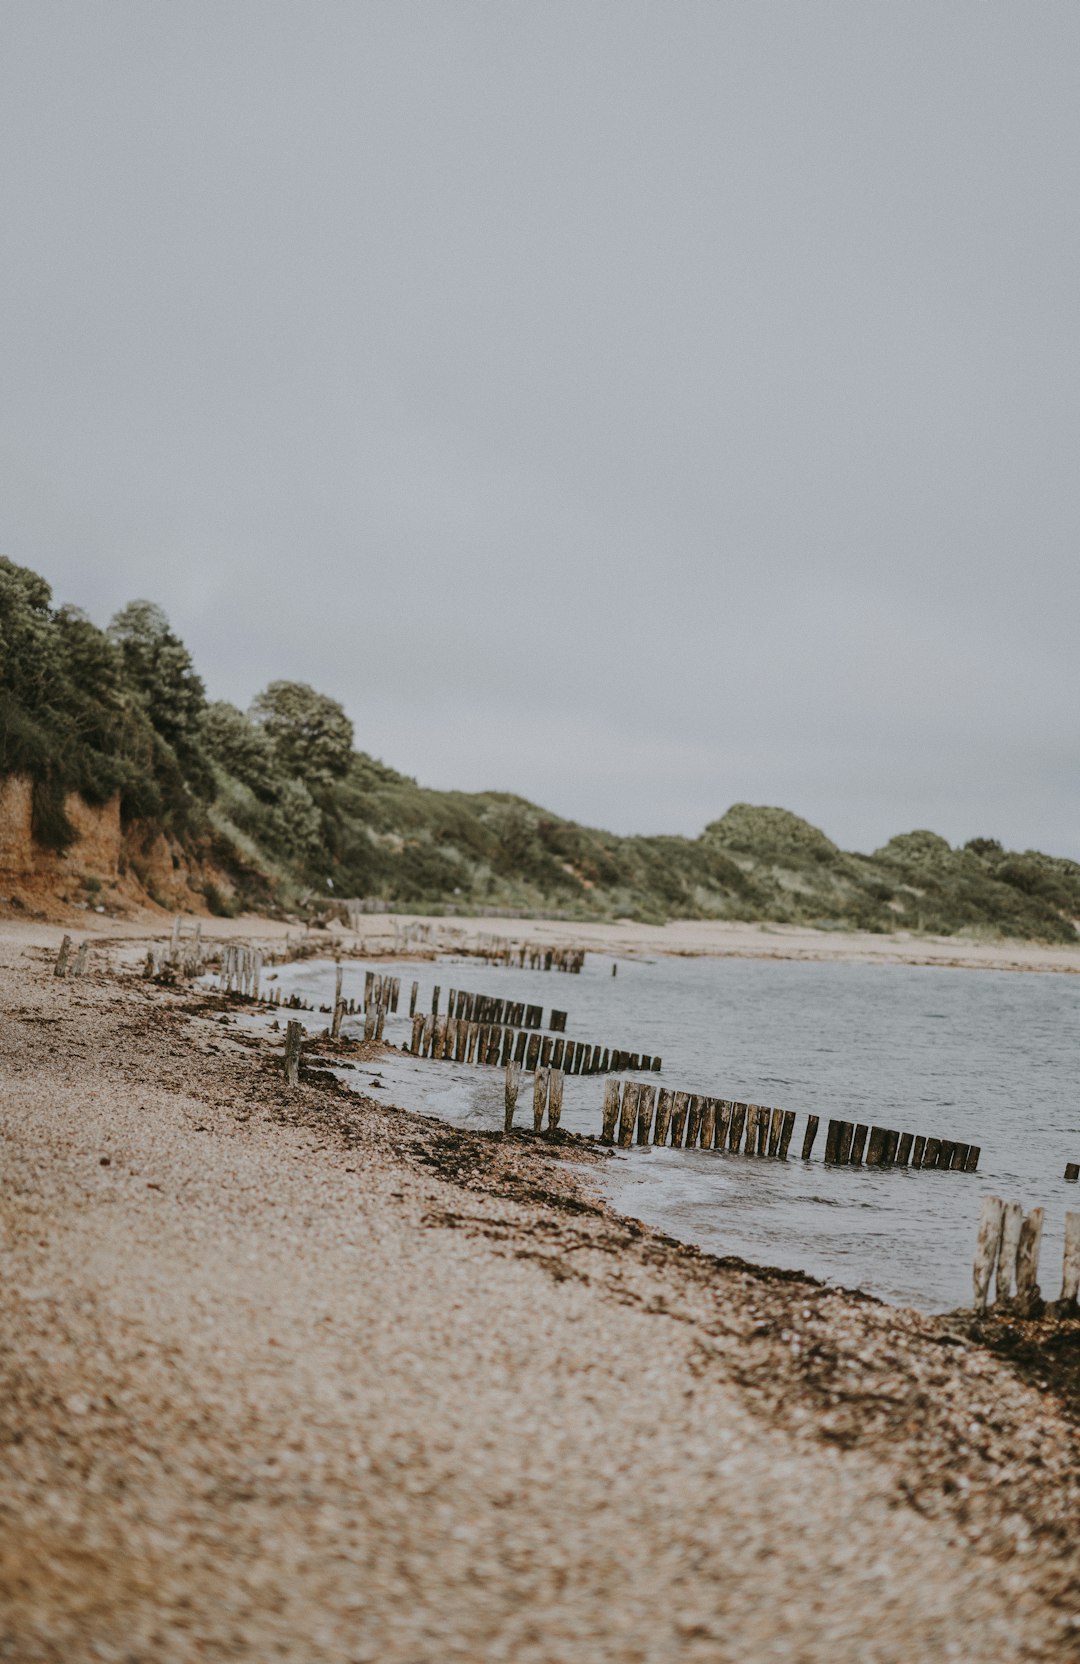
point(299, 1374)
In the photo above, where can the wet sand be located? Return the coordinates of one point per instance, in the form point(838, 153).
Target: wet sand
point(301, 1375)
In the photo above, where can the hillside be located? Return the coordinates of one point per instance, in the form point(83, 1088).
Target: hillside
point(205, 804)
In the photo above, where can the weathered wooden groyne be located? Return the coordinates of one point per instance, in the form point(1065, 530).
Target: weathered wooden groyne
point(1007, 1247)
point(693, 1120)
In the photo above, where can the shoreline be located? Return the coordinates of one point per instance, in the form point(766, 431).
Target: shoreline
point(429, 1389)
point(682, 938)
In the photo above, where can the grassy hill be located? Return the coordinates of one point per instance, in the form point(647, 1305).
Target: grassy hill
point(278, 804)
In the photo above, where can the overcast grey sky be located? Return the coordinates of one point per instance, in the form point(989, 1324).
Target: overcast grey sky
point(639, 407)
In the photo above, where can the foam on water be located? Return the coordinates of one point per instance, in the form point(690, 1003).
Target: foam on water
point(984, 1057)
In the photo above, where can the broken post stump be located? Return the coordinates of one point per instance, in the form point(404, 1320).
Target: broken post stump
point(1072, 1168)
point(60, 968)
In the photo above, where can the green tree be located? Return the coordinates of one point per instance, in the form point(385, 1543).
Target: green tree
point(310, 733)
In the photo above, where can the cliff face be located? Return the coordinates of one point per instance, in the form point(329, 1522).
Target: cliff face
point(108, 865)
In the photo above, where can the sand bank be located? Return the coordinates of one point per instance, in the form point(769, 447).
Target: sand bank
point(298, 1375)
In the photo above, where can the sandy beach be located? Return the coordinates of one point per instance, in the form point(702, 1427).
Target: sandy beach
point(296, 1374)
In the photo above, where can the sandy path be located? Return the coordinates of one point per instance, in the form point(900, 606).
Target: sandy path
point(303, 1378)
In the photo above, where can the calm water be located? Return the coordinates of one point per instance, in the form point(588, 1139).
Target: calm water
point(980, 1056)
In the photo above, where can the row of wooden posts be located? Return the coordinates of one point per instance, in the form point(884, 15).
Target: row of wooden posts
point(1007, 1248)
point(460, 1041)
point(847, 1143)
point(528, 957)
point(487, 1008)
point(690, 1120)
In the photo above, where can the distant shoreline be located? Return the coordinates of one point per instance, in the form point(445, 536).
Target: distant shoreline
point(381, 934)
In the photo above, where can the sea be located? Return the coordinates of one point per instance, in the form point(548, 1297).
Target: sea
point(981, 1057)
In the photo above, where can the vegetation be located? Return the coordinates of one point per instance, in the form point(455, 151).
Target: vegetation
point(281, 804)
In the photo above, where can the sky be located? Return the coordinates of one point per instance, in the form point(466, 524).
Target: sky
point(639, 407)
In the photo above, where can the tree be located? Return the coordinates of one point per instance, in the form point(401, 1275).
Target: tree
point(311, 735)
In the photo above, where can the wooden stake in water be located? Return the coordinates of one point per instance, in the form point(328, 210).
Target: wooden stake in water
point(987, 1247)
point(663, 1115)
point(680, 1105)
point(555, 1096)
point(540, 1092)
point(412, 999)
point(611, 1111)
point(628, 1114)
point(809, 1136)
point(293, 1036)
point(513, 1081)
point(646, 1095)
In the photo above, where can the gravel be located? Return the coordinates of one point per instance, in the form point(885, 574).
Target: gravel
point(296, 1375)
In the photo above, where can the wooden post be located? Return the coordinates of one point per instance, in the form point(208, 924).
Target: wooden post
point(1010, 1240)
point(875, 1148)
point(1027, 1259)
point(60, 968)
point(555, 1095)
point(693, 1120)
point(1072, 1168)
point(293, 1035)
point(918, 1151)
point(708, 1122)
point(843, 1148)
point(540, 1091)
point(510, 1094)
point(809, 1135)
point(335, 1023)
point(723, 1122)
point(776, 1122)
point(417, 1032)
point(679, 1106)
point(611, 1110)
point(987, 1246)
point(533, 1053)
point(436, 991)
point(931, 1152)
point(858, 1141)
point(646, 1094)
point(80, 959)
point(1070, 1272)
point(663, 1115)
point(903, 1152)
point(786, 1129)
point(892, 1141)
point(738, 1121)
point(380, 1018)
point(628, 1113)
point(369, 1027)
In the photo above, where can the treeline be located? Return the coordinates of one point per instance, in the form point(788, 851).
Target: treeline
point(278, 803)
